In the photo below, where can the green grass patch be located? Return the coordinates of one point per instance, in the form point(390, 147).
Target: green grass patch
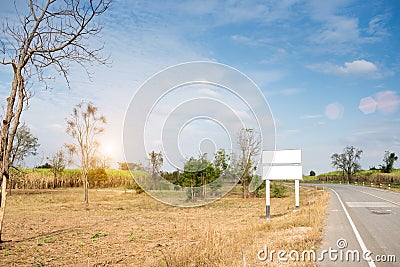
point(48, 240)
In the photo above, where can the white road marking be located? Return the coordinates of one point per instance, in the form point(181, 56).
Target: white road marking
point(384, 199)
point(380, 204)
point(353, 226)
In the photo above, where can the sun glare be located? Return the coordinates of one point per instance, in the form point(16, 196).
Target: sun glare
point(108, 149)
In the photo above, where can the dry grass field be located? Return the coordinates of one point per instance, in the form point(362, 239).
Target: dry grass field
point(54, 228)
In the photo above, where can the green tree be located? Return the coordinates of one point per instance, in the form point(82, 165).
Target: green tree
point(97, 177)
point(130, 166)
point(173, 177)
point(197, 173)
point(223, 169)
point(348, 161)
point(221, 160)
point(388, 162)
point(24, 145)
point(57, 163)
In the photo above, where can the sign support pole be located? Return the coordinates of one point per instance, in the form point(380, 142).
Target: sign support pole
point(297, 193)
point(281, 165)
point(267, 199)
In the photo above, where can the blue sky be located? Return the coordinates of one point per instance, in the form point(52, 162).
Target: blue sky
point(328, 69)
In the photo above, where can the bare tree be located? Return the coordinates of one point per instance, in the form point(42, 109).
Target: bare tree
point(83, 126)
point(100, 161)
point(250, 146)
point(348, 161)
point(50, 36)
point(156, 161)
point(58, 162)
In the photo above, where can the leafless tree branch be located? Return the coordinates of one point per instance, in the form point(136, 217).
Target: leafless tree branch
point(51, 35)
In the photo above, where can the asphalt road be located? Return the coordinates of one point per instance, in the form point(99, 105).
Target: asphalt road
point(361, 221)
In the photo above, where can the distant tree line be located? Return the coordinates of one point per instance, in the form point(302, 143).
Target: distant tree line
point(349, 162)
point(198, 172)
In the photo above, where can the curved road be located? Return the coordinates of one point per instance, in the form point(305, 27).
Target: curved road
point(361, 221)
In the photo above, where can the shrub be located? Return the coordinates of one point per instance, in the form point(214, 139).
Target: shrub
point(138, 189)
point(278, 190)
point(97, 177)
point(261, 188)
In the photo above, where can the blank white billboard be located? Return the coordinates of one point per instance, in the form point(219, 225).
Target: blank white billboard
point(282, 172)
point(291, 156)
point(282, 165)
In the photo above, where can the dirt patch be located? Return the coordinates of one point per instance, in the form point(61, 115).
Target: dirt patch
point(55, 228)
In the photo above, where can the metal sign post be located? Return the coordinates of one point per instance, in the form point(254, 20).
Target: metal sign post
point(281, 165)
point(267, 198)
point(297, 193)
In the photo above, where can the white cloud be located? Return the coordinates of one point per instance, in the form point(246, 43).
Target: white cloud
point(285, 92)
point(374, 137)
point(209, 92)
point(242, 39)
point(338, 30)
point(311, 116)
point(265, 77)
point(250, 41)
point(356, 67)
point(290, 132)
point(57, 127)
point(377, 26)
point(229, 12)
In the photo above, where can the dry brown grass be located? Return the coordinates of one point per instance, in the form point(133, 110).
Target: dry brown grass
point(44, 179)
point(54, 228)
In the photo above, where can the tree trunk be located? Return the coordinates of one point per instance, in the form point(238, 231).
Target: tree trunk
point(54, 181)
point(10, 187)
point(3, 203)
point(349, 177)
point(85, 185)
point(8, 129)
point(244, 182)
point(86, 189)
point(204, 189)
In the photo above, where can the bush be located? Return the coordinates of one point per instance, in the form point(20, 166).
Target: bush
point(97, 177)
point(261, 187)
point(278, 190)
point(138, 189)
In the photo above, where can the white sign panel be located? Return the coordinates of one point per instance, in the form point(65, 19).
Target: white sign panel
point(282, 165)
point(281, 157)
point(282, 172)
